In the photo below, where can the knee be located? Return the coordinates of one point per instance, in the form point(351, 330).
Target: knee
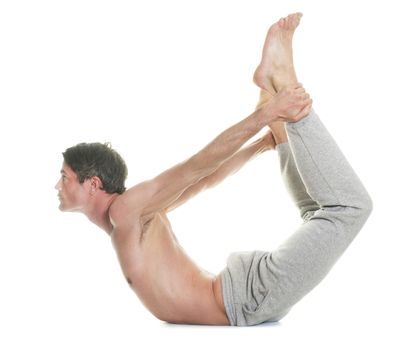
point(359, 207)
point(366, 207)
point(349, 217)
point(353, 218)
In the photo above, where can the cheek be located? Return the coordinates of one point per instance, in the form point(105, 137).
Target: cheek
point(73, 193)
point(76, 194)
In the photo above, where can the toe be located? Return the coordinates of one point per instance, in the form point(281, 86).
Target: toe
point(296, 20)
point(282, 23)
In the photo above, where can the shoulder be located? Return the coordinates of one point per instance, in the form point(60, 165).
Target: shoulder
point(132, 204)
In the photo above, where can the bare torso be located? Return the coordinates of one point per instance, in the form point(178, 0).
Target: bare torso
point(165, 279)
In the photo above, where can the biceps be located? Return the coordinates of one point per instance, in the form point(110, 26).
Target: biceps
point(189, 193)
point(171, 185)
point(164, 190)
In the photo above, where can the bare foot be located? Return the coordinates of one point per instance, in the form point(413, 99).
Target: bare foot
point(276, 69)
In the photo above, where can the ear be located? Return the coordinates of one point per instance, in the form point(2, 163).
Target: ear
point(95, 184)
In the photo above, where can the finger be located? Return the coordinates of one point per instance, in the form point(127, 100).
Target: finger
point(304, 112)
point(300, 90)
point(301, 99)
point(307, 103)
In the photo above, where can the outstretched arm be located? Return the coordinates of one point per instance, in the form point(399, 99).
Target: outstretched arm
point(229, 167)
point(162, 191)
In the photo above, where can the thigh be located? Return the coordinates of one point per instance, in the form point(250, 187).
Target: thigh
point(285, 275)
point(304, 259)
point(265, 285)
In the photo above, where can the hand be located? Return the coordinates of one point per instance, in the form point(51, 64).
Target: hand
point(290, 104)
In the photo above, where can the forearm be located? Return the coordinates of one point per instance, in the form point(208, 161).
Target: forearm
point(229, 167)
point(227, 144)
point(287, 105)
point(162, 191)
point(236, 162)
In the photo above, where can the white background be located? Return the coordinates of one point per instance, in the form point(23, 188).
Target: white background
point(160, 79)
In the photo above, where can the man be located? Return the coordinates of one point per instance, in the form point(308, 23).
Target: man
point(255, 287)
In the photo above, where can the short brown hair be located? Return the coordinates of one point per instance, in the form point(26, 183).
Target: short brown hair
point(98, 159)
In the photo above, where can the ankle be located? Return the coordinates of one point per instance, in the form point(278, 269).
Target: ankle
point(284, 80)
point(279, 132)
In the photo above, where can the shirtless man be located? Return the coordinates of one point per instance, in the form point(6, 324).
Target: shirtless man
point(256, 286)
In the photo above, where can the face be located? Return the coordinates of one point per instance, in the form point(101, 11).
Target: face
point(72, 194)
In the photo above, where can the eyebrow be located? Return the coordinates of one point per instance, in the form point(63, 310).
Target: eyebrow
point(63, 172)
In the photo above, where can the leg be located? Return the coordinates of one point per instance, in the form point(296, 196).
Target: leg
point(263, 286)
point(275, 72)
point(276, 69)
point(298, 265)
point(331, 197)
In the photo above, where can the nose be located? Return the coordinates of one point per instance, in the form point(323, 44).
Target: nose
point(58, 185)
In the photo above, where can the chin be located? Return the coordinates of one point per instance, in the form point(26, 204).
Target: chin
point(62, 207)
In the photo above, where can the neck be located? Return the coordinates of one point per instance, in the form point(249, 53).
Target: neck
point(99, 212)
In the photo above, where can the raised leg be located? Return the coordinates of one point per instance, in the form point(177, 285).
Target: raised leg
point(276, 69)
point(263, 286)
point(275, 72)
point(266, 285)
point(333, 201)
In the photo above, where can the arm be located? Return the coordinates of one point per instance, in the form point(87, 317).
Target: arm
point(229, 167)
point(162, 191)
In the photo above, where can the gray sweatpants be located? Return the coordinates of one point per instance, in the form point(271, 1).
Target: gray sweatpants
point(263, 286)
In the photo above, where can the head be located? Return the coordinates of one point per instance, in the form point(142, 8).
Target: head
point(87, 169)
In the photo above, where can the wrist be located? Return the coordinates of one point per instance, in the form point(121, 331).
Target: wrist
point(263, 144)
point(262, 117)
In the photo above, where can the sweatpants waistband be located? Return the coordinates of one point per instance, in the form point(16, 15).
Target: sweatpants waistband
point(228, 299)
